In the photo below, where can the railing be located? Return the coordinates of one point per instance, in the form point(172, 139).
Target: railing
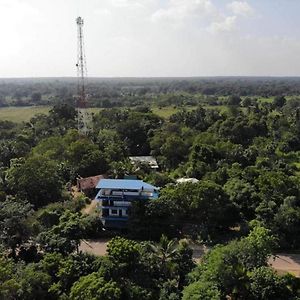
point(125, 197)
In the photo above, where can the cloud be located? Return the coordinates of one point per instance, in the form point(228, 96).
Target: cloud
point(241, 8)
point(182, 9)
point(206, 13)
point(227, 25)
point(130, 3)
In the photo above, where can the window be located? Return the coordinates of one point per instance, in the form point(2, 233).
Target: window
point(114, 212)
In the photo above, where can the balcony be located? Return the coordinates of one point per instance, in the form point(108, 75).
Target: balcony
point(106, 202)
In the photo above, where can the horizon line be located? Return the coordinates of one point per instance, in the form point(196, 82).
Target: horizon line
point(154, 77)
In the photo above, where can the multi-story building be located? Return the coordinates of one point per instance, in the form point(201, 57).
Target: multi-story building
point(115, 197)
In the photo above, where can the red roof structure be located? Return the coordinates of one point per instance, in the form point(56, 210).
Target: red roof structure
point(88, 183)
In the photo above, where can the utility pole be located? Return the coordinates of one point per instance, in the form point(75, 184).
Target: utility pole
point(83, 116)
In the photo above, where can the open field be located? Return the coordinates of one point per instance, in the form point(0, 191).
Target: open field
point(21, 114)
point(24, 114)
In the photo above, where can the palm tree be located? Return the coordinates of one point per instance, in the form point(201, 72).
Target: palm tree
point(165, 251)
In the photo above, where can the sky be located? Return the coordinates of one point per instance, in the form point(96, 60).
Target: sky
point(151, 38)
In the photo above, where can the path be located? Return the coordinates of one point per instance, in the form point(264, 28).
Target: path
point(283, 263)
point(96, 247)
point(286, 263)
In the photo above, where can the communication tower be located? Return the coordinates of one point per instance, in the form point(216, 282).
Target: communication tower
point(83, 116)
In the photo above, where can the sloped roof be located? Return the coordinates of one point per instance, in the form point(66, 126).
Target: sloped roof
point(150, 160)
point(125, 184)
point(89, 182)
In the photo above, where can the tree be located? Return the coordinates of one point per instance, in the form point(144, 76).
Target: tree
point(93, 287)
point(123, 251)
point(165, 251)
point(174, 150)
point(111, 144)
point(64, 237)
point(265, 284)
point(14, 229)
point(225, 270)
point(36, 98)
point(244, 195)
point(9, 284)
point(36, 180)
point(279, 101)
point(234, 100)
point(34, 284)
point(204, 204)
point(287, 223)
point(85, 158)
point(73, 268)
point(201, 290)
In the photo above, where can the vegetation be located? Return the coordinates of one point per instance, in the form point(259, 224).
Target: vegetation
point(239, 138)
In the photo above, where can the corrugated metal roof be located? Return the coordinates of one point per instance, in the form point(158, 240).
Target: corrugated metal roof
point(125, 184)
point(89, 182)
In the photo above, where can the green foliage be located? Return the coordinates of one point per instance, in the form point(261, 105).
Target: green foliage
point(245, 153)
point(14, 228)
point(34, 284)
point(9, 285)
point(201, 290)
point(93, 287)
point(85, 158)
point(66, 235)
point(227, 270)
point(204, 203)
point(266, 284)
point(122, 251)
point(244, 195)
point(36, 180)
point(73, 268)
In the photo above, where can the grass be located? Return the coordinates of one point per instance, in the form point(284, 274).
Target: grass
point(21, 114)
point(167, 111)
point(24, 114)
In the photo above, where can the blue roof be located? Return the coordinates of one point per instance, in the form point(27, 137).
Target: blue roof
point(125, 184)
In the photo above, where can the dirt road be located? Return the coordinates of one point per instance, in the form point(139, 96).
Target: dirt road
point(282, 262)
point(286, 263)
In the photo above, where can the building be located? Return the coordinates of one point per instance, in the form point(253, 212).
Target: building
point(88, 185)
point(115, 197)
point(185, 180)
point(144, 160)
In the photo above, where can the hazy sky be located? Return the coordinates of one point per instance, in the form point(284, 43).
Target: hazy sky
point(151, 37)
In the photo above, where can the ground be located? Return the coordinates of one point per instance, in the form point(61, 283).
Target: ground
point(90, 209)
point(282, 262)
point(286, 263)
point(96, 247)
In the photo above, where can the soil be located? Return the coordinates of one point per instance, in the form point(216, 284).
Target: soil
point(286, 263)
point(283, 263)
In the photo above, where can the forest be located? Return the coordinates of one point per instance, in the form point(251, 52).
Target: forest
point(240, 137)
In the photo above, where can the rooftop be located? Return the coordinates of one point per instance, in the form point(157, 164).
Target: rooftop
point(125, 184)
point(150, 160)
point(89, 182)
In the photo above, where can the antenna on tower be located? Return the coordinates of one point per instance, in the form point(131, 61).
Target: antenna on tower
point(83, 116)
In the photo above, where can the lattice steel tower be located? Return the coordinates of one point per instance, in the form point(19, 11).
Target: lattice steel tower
point(83, 116)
